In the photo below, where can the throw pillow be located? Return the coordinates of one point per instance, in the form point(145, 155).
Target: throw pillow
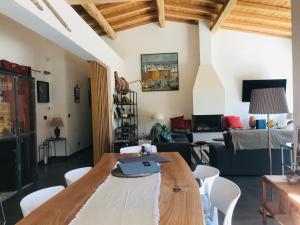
point(166, 135)
point(234, 122)
point(177, 122)
point(187, 124)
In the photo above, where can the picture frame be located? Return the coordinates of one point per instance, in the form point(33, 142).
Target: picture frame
point(159, 72)
point(43, 92)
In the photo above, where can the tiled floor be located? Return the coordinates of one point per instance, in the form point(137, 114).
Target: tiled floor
point(246, 211)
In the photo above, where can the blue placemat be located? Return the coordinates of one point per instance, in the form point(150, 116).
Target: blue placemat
point(142, 167)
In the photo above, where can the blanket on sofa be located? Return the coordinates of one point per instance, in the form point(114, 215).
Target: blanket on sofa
point(258, 139)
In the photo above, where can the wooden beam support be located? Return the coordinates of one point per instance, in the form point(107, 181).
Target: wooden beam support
point(97, 15)
point(223, 14)
point(161, 12)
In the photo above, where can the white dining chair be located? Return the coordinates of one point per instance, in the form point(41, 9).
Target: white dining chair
point(2, 215)
point(223, 197)
point(136, 149)
point(74, 175)
point(37, 198)
point(206, 175)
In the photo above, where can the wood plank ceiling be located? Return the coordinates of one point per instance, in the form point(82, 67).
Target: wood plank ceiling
point(107, 17)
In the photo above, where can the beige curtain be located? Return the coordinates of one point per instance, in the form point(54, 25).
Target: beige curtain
point(101, 118)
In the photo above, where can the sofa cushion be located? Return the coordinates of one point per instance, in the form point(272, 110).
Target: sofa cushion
point(177, 122)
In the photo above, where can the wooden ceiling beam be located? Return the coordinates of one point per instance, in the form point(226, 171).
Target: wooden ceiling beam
point(257, 16)
point(263, 7)
point(130, 12)
point(220, 2)
point(255, 31)
point(187, 16)
point(134, 20)
point(97, 15)
point(223, 14)
point(130, 26)
point(137, 24)
point(257, 26)
point(81, 2)
point(161, 12)
point(113, 8)
point(175, 19)
point(276, 22)
point(189, 8)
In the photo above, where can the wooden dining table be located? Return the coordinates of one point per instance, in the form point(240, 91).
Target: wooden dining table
point(179, 199)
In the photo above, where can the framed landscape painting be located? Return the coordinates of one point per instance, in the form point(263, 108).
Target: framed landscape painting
point(160, 72)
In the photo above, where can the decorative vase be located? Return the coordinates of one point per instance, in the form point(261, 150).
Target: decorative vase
point(57, 132)
point(252, 122)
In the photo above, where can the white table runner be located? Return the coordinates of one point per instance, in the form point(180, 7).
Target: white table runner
point(123, 201)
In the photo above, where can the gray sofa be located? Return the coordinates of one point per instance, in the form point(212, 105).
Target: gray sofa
point(250, 162)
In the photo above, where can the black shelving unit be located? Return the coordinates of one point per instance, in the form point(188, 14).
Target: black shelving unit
point(126, 118)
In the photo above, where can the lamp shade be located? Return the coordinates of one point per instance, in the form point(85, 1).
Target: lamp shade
point(158, 116)
point(56, 122)
point(268, 101)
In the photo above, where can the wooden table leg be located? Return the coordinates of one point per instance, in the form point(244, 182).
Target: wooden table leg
point(264, 200)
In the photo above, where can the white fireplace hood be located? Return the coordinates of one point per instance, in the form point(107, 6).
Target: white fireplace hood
point(208, 91)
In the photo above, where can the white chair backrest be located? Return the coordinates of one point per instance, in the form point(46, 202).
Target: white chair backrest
point(224, 196)
point(74, 175)
point(207, 175)
point(2, 215)
point(37, 198)
point(135, 149)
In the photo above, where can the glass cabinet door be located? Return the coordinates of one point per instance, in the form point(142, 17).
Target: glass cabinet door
point(8, 138)
point(7, 106)
point(26, 128)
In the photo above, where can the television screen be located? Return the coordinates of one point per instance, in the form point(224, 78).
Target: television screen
point(249, 85)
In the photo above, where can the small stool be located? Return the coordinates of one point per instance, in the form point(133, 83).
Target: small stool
point(201, 144)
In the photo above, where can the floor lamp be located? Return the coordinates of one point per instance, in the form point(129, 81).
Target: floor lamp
point(268, 101)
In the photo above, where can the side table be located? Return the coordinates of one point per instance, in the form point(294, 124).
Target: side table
point(54, 140)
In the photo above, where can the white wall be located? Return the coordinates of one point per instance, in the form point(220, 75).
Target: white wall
point(22, 46)
point(239, 56)
point(79, 122)
point(175, 37)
